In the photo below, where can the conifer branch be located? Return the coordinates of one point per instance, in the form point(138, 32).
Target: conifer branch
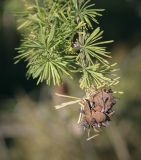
point(57, 41)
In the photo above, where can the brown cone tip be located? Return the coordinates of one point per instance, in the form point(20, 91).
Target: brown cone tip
point(97, 108)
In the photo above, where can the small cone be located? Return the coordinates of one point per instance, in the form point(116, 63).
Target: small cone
point(97, 108)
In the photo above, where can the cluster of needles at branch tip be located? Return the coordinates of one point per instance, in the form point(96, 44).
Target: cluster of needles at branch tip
point(60, 39)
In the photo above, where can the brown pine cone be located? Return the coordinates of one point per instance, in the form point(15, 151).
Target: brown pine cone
point(97, 108)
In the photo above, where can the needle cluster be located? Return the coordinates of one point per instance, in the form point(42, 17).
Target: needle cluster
point(59, 38)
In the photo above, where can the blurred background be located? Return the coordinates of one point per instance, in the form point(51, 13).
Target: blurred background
point(31, 129)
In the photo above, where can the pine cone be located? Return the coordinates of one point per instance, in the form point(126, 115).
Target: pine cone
point(97, 108)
